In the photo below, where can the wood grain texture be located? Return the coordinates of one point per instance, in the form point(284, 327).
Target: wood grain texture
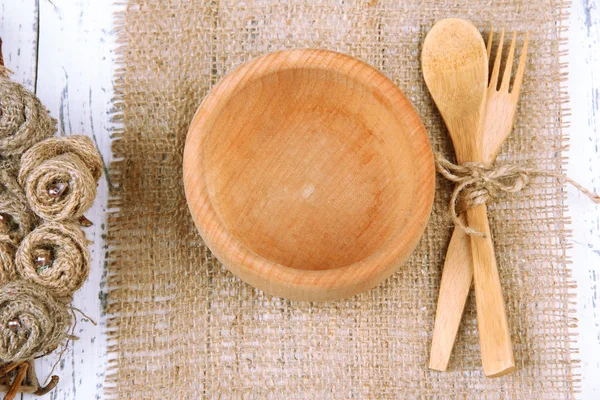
point(494, 336)
point(455, 285)
point(19, 31)
point(18, 20)
point(455, 68)
point(309, 174)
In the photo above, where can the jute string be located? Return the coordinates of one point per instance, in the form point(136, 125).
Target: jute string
point(16, 219)
point(7, 259)
point(31, 321)
point(477, 183)
point(70, 161)
point(70, 263)
point(10, 164)
point(24, 120)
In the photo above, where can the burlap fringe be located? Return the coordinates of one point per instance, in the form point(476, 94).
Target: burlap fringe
point(119, 373)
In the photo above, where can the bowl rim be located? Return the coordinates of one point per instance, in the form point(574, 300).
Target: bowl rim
point(272, 277)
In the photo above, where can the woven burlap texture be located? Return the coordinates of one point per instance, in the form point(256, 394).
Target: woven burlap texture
point(182, 327)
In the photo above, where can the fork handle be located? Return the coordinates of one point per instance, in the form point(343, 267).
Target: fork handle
point(457, 276)
point(494, 337)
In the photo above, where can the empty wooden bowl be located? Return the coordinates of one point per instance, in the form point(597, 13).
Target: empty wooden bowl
point(309, 174)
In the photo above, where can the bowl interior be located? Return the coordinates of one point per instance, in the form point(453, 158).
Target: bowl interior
point(310, 168)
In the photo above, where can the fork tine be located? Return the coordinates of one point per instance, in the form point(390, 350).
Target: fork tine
point(521, 68)
point(489, 44)
point(509, 64)
point(496, 69)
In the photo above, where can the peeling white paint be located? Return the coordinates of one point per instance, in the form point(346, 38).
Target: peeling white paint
point(584, 167)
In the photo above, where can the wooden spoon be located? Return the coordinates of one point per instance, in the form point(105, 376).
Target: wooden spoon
point(455, 68)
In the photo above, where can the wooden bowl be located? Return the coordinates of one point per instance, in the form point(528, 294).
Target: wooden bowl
point(309, 174)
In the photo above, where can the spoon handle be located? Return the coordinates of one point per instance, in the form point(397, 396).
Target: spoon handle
point(454, 291)
point(494, 336)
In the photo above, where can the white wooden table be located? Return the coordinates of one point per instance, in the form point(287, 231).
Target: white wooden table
point(64, 50)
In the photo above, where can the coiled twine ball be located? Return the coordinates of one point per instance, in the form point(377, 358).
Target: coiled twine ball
point(55, 256)
point(16, 219)
point(32, 321)
point(59, 176)
point(24, 120)
point(7, 259)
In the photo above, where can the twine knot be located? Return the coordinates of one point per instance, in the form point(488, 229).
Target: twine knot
point(477, 184)
point(32, 321)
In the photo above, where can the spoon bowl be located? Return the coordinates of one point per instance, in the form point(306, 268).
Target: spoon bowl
point(455, 68)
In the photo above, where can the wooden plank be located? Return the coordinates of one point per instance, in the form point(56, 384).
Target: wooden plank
point(18, 30)
point(75, 70)
point(584, 164)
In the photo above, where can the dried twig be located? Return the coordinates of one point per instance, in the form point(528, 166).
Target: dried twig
point(86, 223)
point(5, 369)
point(14, 389)
point(51, 385)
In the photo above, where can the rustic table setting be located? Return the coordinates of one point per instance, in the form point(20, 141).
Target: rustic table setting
point(64, 51)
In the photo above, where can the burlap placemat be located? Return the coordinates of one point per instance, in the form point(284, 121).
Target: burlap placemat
point(182, 327)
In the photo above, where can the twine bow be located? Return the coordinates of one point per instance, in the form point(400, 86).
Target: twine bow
point(477, 184)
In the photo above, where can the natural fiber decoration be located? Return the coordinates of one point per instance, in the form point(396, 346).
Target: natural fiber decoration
point(32, 321)
point(39, 274)
point(183, 327)
point(7, 259)
point(477, 183)
point(24, 120)
point(72, 162)
point(16, 219)
point(68, 263)
point(10, 164)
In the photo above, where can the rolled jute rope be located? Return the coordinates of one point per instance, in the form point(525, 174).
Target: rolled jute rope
point(59, 176)
point(7, 259)
point(10, 164)
point(16, 219)
point(24, 121)
point(55, 256)
point(476, 184)
point(32, 321)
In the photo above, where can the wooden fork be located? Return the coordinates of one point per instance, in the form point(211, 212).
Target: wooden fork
point(457, 274)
